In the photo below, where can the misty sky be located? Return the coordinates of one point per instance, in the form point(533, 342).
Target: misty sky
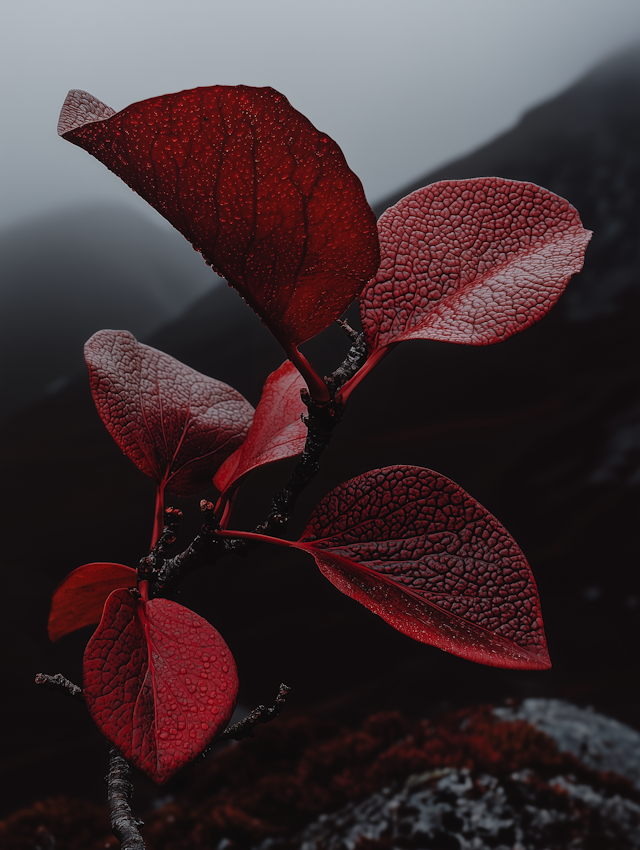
point(401, 85)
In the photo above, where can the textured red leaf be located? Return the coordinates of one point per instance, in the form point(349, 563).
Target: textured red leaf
point(174, 423)
point(79, 599)
point(265, 197)
point(276, 432)
point(416, 549)
point(471, 261)
point(159, 682)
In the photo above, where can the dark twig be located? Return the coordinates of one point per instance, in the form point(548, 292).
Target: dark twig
point(353, 334)
point(149, 566)
point(244, 728)
point(119, 791)
point(352, 362)
point(320, 422)
point(205, 548)
point(261, 714)
point(59, 683)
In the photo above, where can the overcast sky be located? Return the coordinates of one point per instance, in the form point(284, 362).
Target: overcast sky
point(401, 85)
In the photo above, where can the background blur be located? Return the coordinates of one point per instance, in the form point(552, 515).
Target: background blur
point(543, 429)
point(401, 86)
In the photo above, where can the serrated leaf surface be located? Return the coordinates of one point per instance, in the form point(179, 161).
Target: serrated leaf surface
point(419, 551)
point(177, 425)
point(159, 681)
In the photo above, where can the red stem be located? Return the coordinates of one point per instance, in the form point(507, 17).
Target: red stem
point(158, 523)
point(252, 535)
point(372, 362)
point(224, 506)
point(317, 387)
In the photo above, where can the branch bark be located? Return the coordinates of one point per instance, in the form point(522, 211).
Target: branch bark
point(244, 728)
point(261, 714)
point(119, 792)
point(321, 419)
point(58, 682)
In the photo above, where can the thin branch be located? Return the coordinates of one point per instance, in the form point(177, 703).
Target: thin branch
point(320, 422)
point(353, 334)
point(59, 683)
point(244, 728)
point(352, 362)
point(261, 714)
point(119, 792)
point(206, 549)
point(155, 559)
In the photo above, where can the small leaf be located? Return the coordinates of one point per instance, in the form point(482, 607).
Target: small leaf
point(174, 423)
point(159, 682)
point(79, 599)
point(416, 549)
point(277, 431)
point(268, 200)
point(470, 261)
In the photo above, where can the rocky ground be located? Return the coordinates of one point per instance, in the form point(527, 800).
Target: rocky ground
point(539, 774)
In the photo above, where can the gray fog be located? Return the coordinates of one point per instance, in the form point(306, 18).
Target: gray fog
point(402, 86)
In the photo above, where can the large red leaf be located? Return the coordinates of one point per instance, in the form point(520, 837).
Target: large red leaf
point(276, 432)
point(470, 261)
point(159, 682)
point(174, 423)
point(265, 197)
point(79, 599)
point(416, 549)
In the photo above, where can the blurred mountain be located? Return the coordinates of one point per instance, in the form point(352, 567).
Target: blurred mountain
point(543, 429)
point(583, 145)
point(67, 274)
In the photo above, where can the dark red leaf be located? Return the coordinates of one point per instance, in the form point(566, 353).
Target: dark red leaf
point(79, 599)
point(276, 432)
point(470, 261)
point(265, 197)
point(174, 423)
point(159, 682)
point(416, 549)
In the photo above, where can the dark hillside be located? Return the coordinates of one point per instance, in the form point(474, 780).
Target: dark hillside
point(65, 275)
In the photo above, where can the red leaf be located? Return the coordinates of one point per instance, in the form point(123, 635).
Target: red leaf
point(174, 423)
point(159, 682)
point(265, 197)
point(79, 599)
point(276, 432)
point(416, 549)
point(471, 261)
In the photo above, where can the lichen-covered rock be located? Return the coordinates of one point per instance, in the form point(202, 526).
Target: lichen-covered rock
point(452, 810)
point(534, 776)
point(600, 742)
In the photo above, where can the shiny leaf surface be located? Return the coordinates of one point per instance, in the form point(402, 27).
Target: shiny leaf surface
point(416, 549)
point(175, 424)
point(159, 682)
point(470, 261)
point(79, 599)
point(277, 431)
point(268, 200)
